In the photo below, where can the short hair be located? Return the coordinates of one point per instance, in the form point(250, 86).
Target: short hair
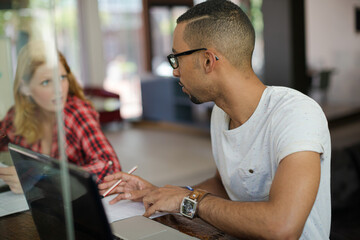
point(31, 56)
point(222, 25)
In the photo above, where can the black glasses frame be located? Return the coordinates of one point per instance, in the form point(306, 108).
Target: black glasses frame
point(172, 58)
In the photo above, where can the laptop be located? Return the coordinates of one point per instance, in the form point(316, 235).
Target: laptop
point(41, 182)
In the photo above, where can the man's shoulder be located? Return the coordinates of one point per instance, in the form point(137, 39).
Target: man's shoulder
point(287, 93)
point(289, 108)
point(288, 99)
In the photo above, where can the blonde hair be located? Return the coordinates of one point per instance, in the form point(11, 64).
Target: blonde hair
point(26, 120)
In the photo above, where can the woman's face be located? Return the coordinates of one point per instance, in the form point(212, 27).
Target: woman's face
point(42, 89)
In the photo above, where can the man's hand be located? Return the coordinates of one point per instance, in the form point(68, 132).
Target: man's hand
point(165, 199)
point(131, 188)
point(9, 175)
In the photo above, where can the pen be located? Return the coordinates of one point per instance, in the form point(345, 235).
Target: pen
point(118, 182)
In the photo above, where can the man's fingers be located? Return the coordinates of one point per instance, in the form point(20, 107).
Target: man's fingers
point(119, 197)
point(150, 211)
point(151, 197)
point(125, 194)
point(134, 196)
point(106, 185)
point(117, 176)
point(147, 203)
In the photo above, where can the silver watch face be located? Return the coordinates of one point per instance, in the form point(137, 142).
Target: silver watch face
point(188, 207)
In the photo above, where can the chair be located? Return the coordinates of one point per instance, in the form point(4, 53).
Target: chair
point(107, 104)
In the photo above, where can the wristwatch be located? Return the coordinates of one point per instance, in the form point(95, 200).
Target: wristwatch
point(189, 204)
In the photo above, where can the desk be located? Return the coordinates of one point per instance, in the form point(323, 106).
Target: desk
point(20, 226)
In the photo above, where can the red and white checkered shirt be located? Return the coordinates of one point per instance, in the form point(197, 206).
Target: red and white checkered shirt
point(86, 145)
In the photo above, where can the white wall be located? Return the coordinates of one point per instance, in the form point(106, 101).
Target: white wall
point(92, 57)
point(6, 78)
point(332, 42)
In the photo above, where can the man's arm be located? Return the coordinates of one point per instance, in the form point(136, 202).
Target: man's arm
point(291, 198)
point(168, 198)
point(214, 186)
point(132, 187)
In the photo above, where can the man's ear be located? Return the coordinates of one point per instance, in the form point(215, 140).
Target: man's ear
point(209, 63)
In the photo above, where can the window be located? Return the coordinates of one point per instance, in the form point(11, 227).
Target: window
point(121, 28)
point(162, 25)
point(160, 21)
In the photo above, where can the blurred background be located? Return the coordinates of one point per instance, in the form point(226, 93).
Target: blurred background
point(117, 50)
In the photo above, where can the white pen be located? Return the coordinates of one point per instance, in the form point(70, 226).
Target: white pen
point(118, 182)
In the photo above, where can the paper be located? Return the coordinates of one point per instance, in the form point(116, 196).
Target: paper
point(2, 183)
point(12, 203)
point(124, 209)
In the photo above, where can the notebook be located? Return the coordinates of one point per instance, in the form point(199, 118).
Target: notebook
point(41, 182)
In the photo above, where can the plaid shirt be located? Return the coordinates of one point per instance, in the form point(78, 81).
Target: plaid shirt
point(86, 145)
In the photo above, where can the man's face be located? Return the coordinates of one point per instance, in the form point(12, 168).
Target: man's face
point(188, 70)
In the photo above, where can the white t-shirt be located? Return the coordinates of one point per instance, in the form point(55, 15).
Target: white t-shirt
point(284, 122)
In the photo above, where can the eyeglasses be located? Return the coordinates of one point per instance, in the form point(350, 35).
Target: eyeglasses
point(173, 57)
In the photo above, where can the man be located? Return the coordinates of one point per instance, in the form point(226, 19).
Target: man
point(271, 145)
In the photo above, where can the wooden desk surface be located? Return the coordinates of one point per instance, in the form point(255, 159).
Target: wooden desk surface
point(20, 226)
point(194, 227)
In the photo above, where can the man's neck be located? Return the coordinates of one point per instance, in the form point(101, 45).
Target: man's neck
point(241, 97)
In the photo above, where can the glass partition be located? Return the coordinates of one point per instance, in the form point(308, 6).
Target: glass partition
point(34, 85)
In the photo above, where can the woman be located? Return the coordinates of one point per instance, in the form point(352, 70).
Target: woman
point(31, 122)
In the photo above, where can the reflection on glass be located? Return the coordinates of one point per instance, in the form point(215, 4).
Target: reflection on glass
point(26, 21)
point(43, 107)
point(32, 121)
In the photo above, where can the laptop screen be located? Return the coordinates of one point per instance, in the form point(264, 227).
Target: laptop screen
point(40, 179)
